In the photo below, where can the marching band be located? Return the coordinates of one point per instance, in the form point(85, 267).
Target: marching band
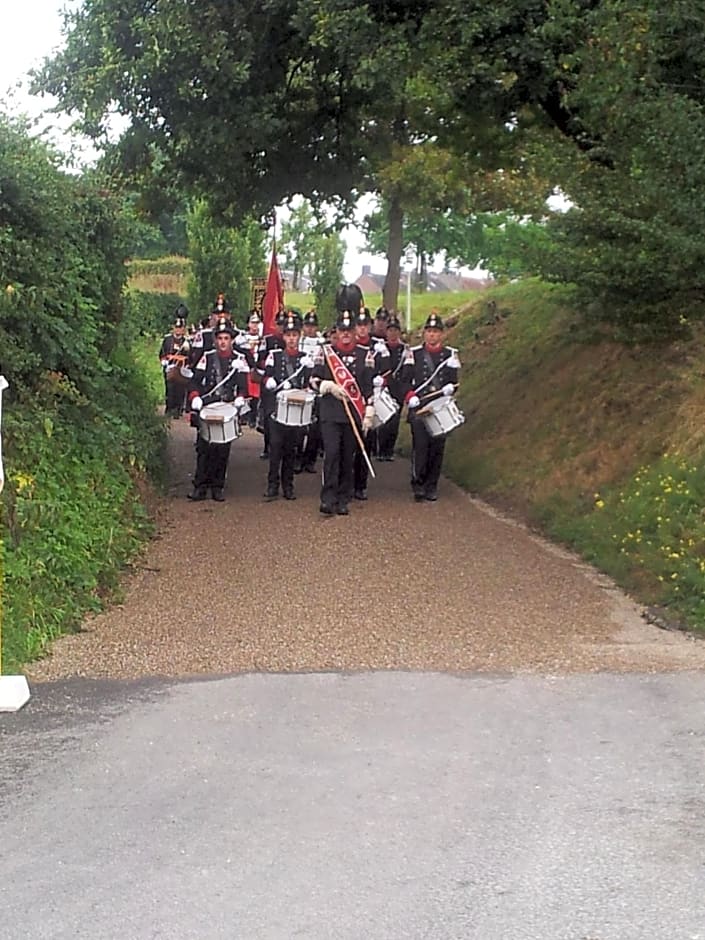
point(338, 395)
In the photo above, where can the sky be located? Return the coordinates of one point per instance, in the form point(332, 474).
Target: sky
point(31, 30)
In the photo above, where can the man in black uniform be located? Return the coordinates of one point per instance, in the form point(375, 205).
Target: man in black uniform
point(377, 350)
point(269, 342)
point(202, 341)
point(285, 369)
point(310, 342)
point(381, 323)
point(220, 375)
point(173, 354)
point(429, 372)
point(388, 432)
point(342, 375)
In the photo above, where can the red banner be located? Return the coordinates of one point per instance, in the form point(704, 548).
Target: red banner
point(342, 377)
point(273, 296)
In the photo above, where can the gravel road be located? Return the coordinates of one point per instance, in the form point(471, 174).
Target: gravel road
point(249, 586)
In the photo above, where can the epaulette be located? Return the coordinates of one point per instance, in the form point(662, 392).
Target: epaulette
point(416, 348)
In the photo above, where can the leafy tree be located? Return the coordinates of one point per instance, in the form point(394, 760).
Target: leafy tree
point(222, 259)
point(265, 102)
point(298, 235)
point(251, 105)
point(327, 256)
point(632, 241)
point(63, 242)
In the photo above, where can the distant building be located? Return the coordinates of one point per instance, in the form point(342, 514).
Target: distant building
point(456, 282)
point(370, 283)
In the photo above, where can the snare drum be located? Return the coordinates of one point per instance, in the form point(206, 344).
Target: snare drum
point(175, 370)
point(441, 416)
point(294, 408)
point(218, 423)
point(385, 408)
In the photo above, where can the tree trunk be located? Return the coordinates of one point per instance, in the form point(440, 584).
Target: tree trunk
point(423, 270)
point(295, 277)
point(390, 292)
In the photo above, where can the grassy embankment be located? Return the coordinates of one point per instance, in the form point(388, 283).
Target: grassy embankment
point(596, 443)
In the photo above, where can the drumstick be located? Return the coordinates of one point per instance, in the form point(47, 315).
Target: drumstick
point(435, 394)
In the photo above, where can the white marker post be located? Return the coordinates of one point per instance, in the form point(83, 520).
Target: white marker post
point(14, 690)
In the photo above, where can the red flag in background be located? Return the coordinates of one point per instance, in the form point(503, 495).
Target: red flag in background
point(273, 299)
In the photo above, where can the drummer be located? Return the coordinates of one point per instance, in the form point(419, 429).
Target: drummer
point(174, 354)
point(247, 343)
point(268, 342)
point(430, 371)
point(285, 370)
point(379, 356)
point(387, 434)
point(310, 444)
point(219, 376)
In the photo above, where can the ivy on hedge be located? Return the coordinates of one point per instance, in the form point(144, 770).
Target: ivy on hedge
point(80, 428)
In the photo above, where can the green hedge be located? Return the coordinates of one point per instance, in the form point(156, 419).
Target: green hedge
point(152, 313)
point(81, 435)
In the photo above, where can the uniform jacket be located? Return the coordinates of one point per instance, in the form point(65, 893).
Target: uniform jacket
point(360, 363)
point(419, 365)
point(211, 369)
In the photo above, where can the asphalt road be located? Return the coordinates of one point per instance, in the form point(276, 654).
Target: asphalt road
point(377, 805)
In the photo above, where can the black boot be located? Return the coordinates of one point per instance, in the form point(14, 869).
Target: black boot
point(199, 493)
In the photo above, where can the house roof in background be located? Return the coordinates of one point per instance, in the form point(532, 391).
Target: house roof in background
point(373, 283)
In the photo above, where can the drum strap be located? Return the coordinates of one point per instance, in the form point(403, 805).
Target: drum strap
point(432, 369)
point(429, 363)
point(397, 369)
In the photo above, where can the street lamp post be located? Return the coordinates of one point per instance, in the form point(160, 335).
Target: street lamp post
point(409, 254)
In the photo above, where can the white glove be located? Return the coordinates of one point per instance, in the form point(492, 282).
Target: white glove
point(377, 381)
point(239, 402)
point(286, 385)
point(197, 403)
point(306, 362)
point(270, 384)
point(448, 389)
point(164, 362)
point(380, 349)
point(331, 388)
point(414, 401)
point(368, 419)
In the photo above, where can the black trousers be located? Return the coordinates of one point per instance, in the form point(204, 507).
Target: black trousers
point(312, 445)
point(361, 472)
point(283, 441)
point(211, 464)
point(426, 458)
point(387, 435)
point(339, 446)
point(174, 396)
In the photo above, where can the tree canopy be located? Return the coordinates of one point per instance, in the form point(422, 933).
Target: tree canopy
point(439, 106)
